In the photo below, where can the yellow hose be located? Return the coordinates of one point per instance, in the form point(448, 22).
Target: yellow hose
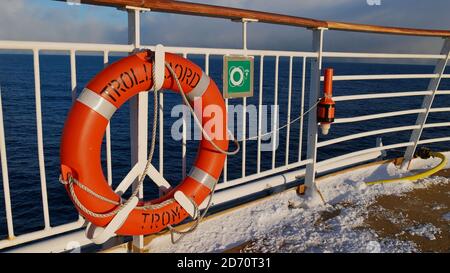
point(415, 177)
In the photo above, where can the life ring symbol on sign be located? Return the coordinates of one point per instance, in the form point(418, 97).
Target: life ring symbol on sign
point(85, 128)
point(242, 74)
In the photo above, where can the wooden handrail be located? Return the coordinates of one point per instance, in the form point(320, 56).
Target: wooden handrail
point(180, 7)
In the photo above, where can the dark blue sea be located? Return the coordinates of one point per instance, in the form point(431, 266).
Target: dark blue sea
point(17, 91)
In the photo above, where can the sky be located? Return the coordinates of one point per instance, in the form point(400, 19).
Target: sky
point(46, 20)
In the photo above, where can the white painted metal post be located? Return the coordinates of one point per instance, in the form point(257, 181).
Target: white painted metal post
point(288, 122)
point(108, 132)
point(161, 140)
point(316, 68)
point(184, 138)
point(244, 104)
point(261, 88)
point(161, 133)
point(5, 176)
point(275, 114)
point(427, 103)
point(73, 82)
point(225, 164)
point(40, 138)
point(244, 99)
point(302, 110)
point(138, 114)
point(73, 75)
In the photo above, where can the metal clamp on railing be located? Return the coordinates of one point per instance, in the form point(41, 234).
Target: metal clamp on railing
point(158, 67)
point(186, 203)
point(99, 235)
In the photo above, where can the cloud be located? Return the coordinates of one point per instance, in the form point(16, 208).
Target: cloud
point(44, 21)
point(54, 21)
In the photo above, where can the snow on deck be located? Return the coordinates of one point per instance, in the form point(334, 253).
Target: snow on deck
point(284, 223)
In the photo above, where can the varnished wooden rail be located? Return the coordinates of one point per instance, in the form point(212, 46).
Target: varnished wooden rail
point(180, 7)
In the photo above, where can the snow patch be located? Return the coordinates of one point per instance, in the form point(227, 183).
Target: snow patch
point(446, 216)
point(428, 231)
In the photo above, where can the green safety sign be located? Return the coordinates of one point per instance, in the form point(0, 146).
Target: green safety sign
point(237, 76)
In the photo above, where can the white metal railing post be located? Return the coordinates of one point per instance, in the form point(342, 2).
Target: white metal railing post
point(244, 99)
point(73, 75)
point(40, 138)
point(244, 22)
point(288, 127)
point(244, 34)
point(5, 176)
point(108, 132)
point(260, 101)
point(275, 114)
point(316, 68)
point(244, 104)
point(161, 133)
point(426, 104)
point(302, 109)
point(184, 138)
point(138, 114)
point(73, 83)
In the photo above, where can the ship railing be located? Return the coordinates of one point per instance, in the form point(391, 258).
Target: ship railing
point(231, 189)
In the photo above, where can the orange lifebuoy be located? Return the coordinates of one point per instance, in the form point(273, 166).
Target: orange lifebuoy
point(85, 128)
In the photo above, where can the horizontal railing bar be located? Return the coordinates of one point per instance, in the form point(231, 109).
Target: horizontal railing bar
point(439, 124)
point(433, 140)
point(255, 176)
point(382, 95)
point(94, 47)
point(340, 162)
point(384, 77)
point(71, 242)
point(376, 149)
point(45, 233)
point(57, 46)
point(390, 114)
point(366, 134)
point(382, 55)
point(379, 132)
point(439, 110)
point(380, 115)
point(234, 51)
point(205, 10)
point(91, 47)
point(386, 30)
